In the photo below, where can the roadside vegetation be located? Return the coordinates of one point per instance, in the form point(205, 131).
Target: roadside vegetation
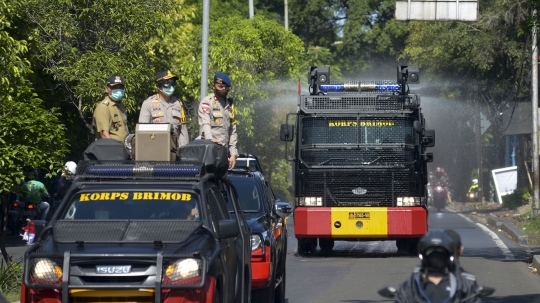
point(55, 70)
point(10, 280)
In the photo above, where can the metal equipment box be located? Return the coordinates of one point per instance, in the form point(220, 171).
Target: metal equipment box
point(153, 142)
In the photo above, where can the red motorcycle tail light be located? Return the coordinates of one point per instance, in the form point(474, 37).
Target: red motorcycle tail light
point(15, 204)
point(30, 206)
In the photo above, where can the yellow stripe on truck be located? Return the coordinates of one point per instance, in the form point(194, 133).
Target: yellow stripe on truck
point(359, 222)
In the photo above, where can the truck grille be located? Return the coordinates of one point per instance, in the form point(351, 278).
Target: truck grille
point(355, 157)
point(381, 187)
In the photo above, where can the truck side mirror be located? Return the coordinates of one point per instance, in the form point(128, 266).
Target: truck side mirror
point(428, 157)
point(417, 126)
point(287, 132)
point(429, 138)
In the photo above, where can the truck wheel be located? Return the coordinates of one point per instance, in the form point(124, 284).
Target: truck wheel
point(326, 244)
point(306, 246)
point(407, 246)
point(280, 290)
point(265, 294)
point(413, 246)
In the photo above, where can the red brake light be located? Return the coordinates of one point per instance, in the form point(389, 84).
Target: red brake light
point(15, 204)
point(30, 206)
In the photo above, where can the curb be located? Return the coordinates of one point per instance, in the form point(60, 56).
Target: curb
point(510, 229)
point(536, 261)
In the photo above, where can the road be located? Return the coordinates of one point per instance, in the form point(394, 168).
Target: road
point(356, 270)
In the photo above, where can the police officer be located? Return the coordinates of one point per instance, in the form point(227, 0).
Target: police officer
point(216, 117)
point(110, 118)
point(163, 107)
point(435, 281)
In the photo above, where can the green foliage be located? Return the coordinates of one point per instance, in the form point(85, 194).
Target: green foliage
point(10, 278)
point(519, 197)
point(93, 40)
point(29, 134)
point(252, 51)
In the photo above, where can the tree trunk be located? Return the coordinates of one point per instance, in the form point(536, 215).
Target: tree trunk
point(4, 203)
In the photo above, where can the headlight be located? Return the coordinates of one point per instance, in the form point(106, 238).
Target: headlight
point(439, 189)
point(471, 195)
point(46, 271)
point(256, 242)
point(311, 201)
point(183, 269)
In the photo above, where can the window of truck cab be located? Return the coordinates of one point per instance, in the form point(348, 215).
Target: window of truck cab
point(133, 205)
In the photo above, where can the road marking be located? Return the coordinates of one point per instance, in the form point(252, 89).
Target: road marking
point(507, 253)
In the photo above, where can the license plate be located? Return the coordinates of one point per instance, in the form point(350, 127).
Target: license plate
point(30, 213)
point(358, 215)
point(13, 212)
point(113, 269)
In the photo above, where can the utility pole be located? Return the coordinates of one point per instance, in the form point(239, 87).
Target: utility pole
point(534, 90)
point(478, 133)
point(204, 61)
point(286, 15)
point(251, 11)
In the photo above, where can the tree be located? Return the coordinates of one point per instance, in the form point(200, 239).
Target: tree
point(257, 54)
point(96, 39)
point(30, 135)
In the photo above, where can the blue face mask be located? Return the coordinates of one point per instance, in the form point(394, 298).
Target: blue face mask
point(168, 90)
point(117, 94)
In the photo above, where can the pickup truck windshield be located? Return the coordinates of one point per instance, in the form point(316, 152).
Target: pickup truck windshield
point(136, 205)
point(248, 195)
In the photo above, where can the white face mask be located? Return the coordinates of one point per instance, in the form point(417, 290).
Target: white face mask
point(102, 214)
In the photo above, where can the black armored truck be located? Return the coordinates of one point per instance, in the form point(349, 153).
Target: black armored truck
point(144, 231)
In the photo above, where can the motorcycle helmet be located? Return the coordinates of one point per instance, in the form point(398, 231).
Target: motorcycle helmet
point(71, 167)
point(436, 250)
point(475, 181)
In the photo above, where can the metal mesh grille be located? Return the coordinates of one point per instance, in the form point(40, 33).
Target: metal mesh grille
point(365, 102)
point(46, 271)
point(382, 187)
point(357, 130)
point(68, 231)
point(355, 157)
point(139, 170)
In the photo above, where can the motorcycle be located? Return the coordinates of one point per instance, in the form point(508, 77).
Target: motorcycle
point(31, 211)
point(15, 217)
point(481, 291)
point(440, 195)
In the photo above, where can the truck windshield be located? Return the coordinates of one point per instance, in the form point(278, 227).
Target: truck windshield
point(136, 205)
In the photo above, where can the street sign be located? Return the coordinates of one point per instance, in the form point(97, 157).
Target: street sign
point(437, 10)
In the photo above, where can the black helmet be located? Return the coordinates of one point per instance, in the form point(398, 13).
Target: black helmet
point(436, 250)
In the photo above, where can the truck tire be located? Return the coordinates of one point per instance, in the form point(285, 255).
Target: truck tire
point(306, 246)
point(280, 289)
point(265, 294)
point(407, 246)
point(326, 244)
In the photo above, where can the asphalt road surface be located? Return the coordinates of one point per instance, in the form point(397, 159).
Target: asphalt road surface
point(356, 270)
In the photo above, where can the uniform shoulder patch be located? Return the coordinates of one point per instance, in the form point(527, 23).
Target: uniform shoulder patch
point(105, 102)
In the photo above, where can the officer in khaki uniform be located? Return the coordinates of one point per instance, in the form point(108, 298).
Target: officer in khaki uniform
point(163, 107)
point(216, 117)
point(110, 118)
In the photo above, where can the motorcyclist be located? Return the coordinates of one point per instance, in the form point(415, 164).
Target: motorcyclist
point(34, 191)
point(435, 281)
point(473, 190)
point(60, 183)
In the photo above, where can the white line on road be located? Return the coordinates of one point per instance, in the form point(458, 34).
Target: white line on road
point(507, 253)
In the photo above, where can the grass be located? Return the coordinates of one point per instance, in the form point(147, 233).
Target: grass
point(10, 280)
point(531, 227)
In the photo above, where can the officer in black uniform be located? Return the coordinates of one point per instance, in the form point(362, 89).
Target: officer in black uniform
point(434, 281)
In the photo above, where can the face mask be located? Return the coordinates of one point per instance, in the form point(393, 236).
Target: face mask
point(117, 94)
point(168, 90)
point(221, 93)
point(102, 214)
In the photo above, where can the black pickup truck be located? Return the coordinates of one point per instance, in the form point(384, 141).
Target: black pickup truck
point(144, 232)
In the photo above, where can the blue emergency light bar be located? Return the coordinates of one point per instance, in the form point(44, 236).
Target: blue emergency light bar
point(143, 171)
point(362, 86)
